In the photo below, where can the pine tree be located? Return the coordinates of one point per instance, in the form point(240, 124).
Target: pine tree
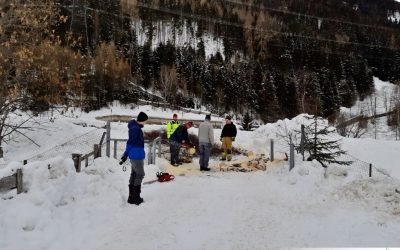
point(247, 122)
point(320, 144)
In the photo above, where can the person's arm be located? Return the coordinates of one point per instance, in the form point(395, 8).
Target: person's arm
point(169, 127)
point(234, 130)
point(223, 131)
point(185, 136)
point(211, 134)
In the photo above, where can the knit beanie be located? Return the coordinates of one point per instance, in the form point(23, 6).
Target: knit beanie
point(142, 117)
point(208, 117)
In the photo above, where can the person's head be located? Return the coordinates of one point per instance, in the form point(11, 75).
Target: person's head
point(142, 118)
point(208, 118)
point(189, 125)
point(175, 117)
point(228, 119)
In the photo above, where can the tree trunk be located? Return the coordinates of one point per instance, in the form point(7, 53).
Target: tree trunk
point(1, 152)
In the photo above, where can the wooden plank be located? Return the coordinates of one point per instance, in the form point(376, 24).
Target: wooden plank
point(8, 182)
point(96, 151)
point(19, 181)
point(77, 161)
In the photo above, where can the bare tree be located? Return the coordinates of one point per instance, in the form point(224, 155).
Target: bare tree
point(354, 129)
point(9, 125)
point(168, 79)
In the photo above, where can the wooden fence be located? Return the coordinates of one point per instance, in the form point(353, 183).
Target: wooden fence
point(96, 153)
point(11, 182)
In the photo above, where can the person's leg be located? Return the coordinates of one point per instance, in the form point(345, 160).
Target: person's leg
point(224, 149)
point(175, 152)
point(172, 152)
point(201, 153)
point(229, 148)
point(138, 168)
point(131, 186)
point(207, 151)
point(178, 149)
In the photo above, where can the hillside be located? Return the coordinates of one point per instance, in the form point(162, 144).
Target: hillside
point(268, 58)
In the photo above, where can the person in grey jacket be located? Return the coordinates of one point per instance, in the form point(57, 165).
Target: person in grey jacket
point(206, 140)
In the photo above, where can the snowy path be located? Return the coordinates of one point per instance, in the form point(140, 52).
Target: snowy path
point(262, 210)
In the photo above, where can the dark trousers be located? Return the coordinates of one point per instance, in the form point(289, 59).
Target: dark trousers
point(205, 150)
point(137, 173)
point(174, 147)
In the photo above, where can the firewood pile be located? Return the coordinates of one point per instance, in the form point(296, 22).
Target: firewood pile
point(248, 164)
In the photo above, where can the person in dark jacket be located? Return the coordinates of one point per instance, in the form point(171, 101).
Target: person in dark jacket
point(179, 137)
point(227, 137)
point(135, 152)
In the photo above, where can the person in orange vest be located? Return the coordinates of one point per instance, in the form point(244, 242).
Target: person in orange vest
point(172, 125)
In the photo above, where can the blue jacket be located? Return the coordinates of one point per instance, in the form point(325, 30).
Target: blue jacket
point(135, 145)
point(180, 134)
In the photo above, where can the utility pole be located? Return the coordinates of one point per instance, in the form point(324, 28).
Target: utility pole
point(375, 118)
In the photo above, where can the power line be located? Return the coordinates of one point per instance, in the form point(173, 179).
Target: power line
point(241, 26)
point(219, 21)
point(298, 14)
point(227, 23)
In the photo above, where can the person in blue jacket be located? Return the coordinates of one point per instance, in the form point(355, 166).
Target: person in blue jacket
point(135, 152)
point(177, 138)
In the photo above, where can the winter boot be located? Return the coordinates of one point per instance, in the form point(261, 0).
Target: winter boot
point(229, 155)
point(139, 191)
point(205, 169)
point(137, 200)
point(223, 157)
point(131, 194)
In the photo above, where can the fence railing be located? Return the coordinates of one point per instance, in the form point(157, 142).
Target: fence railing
point(152, 148)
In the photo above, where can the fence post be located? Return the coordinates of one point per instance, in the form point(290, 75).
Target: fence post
point(159, 147)
point(101, 143)
point(77, 162)
point(291, 162)
point(154, 151)
point(370, 170)
point(302, 141)
point(272, 150)
point(96, 150)
point(25, 162)
point(108, 139)
point(115, 149)
point(150, 157)
point(19, 181)
point(86, 162)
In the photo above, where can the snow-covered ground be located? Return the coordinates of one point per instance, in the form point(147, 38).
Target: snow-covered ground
point(384, 98)
point(306, 207)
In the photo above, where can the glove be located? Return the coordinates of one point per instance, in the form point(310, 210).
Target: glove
point(123, 159)
point(233, 138)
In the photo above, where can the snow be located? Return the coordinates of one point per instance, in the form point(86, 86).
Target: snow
point(375, 152)
point(385, 93)
point(394, 17)
point(166, 32)
point(385, 97)
point(306, 207)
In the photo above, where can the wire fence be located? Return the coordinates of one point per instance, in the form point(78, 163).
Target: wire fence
point(81, 144)
point(361, 168)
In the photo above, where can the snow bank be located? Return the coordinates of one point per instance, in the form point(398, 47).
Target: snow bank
point(61, 209)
